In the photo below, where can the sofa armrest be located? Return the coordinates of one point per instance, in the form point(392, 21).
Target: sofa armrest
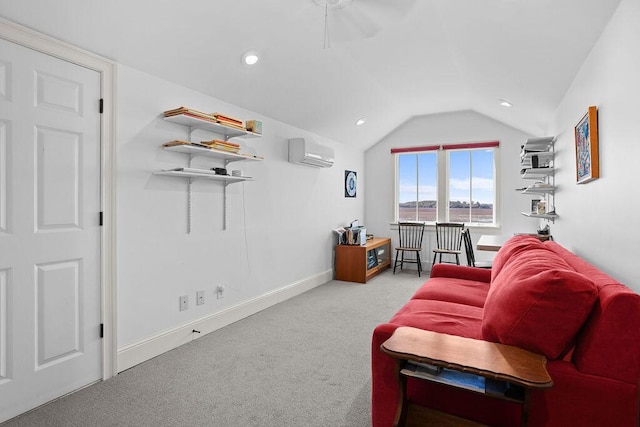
point(461, 272)
point(583, 400)
point(384, 383)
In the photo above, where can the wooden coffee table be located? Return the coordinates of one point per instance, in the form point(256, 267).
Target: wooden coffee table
point(496, 370)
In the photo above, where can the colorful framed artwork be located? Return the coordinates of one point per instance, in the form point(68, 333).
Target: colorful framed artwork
point(586, 137)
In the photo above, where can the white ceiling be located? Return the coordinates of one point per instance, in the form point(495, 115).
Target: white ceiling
point(443, 55)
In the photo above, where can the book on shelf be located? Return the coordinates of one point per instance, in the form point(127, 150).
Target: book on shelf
point(220, 143)
point(231, 124)
point(223, 148)
point(228, 119)
point(189, 112)
point(198, 144)
point(217, 145)
point(176, 142)
point(218, 118)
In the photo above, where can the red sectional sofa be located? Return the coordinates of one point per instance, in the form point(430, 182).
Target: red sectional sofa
point(541, 297)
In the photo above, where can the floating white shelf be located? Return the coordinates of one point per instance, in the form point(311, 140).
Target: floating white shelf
point(536, 215)
point(208, 152)
point(536, 173)
point(539, 144)
point(203, 174)
point(539, 190)
point(227, 131)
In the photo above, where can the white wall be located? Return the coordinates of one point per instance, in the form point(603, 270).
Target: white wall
point(279, 226)
point(598, 220)
point(447, 128)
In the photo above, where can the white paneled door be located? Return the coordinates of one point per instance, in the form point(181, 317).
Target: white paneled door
point(50, 234)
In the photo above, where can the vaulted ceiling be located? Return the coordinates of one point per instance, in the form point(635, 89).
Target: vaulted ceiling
point(386, 60)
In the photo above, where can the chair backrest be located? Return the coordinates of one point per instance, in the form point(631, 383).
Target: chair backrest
point(468, 247)
point(410, 234)
point(449, 235)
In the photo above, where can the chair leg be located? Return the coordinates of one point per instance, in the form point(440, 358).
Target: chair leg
point(395, 263)
point(457, 259)
point(419, 263)
point(435, 254)
point(402, 261)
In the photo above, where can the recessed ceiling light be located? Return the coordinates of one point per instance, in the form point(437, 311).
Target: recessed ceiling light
point(250, 57)
point(360, 121)
point(505, 103)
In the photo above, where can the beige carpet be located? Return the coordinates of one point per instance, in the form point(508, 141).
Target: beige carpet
point(304, 362)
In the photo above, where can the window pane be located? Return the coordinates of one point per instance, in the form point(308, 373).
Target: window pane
point(407, 187)
point(482, 188)
point(459, 186)
point(427, 189)
point(417, 192)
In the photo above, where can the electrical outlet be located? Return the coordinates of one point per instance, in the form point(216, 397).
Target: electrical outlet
point(199, 297)
point(184, 302)
point(220, 291)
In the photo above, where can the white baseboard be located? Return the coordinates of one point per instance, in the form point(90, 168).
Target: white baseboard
point(134, 354)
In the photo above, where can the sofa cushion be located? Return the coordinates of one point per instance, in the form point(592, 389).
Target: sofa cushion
point(441, 316)
point(460, 291)
point(537, 302)
point(515, 245)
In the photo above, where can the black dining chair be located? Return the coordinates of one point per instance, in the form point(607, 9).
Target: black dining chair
point(410, 236)
point(471, 257)
point(448, 241)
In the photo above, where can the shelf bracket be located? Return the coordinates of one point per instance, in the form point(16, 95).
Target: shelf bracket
point(191, 131)
point(224, 205)
point(189, 197)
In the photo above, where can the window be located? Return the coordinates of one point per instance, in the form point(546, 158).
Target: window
point(454, 183)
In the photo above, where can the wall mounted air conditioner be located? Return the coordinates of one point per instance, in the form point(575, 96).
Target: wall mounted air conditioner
point(310, 153)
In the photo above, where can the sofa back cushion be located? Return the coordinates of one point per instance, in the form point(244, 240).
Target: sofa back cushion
point(511, 247)
point(537, 301)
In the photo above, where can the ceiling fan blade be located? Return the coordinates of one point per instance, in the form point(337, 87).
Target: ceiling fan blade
point(387, 10)
point(365, 18)
point(347, 25)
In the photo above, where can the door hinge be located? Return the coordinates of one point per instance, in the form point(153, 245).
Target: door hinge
point(101, 330)
point(101, 105)
point(101, 218)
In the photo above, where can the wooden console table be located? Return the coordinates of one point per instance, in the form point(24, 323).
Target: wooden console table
point(492, 242)
point(500, 371)
point(360, 263)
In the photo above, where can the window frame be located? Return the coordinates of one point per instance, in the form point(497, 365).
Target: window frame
point(443, 176)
